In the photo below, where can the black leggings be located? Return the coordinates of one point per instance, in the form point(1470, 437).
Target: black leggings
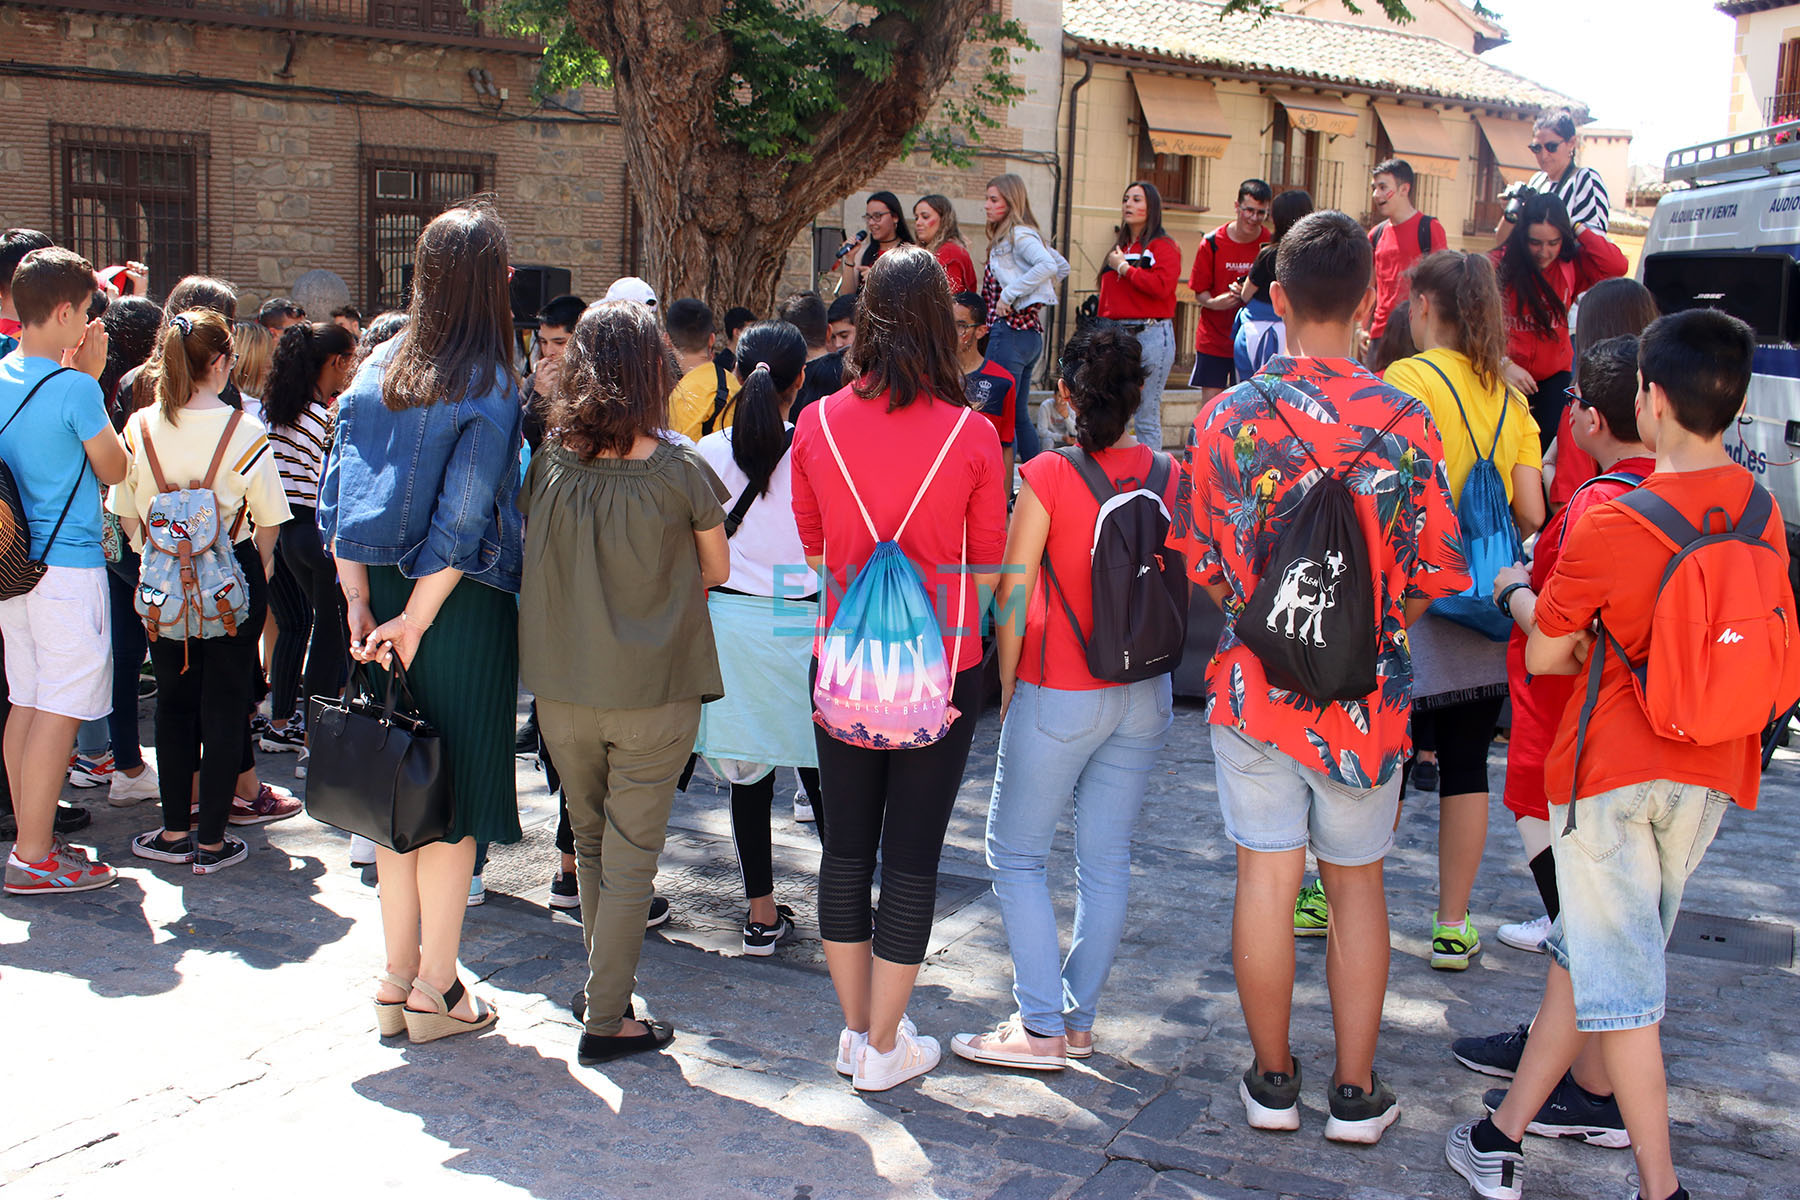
point(750, 827)
point(328, 647)
point(1547, 404)
point(293, 623)
point(1462, 733)
point(856, 787)
point(204, 689)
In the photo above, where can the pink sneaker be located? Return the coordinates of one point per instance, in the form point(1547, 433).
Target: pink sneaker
point(268, 805)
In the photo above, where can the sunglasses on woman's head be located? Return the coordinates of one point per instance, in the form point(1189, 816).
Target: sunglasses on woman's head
point(1544, 147)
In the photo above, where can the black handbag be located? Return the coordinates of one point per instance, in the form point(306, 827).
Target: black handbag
point(377, 768)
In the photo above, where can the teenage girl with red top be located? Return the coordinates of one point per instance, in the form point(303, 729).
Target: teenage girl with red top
point(1065, 733)
point(1137, 289)
point(1544, 264)
point(934, 224)
point(890, 425)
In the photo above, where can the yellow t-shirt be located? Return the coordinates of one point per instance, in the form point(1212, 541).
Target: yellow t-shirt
point(1518, 446)
point(247, 473)
point(693, 398)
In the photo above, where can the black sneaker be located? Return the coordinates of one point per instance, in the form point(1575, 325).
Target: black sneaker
point(70, 817)
point(563, 892)
point(146, 688)
point(152, 846)
point(659, 912)
point(282, 741)
point(760, 939)
point(525, 742)
point(1271, 1098)
point(1497, 1054)
point(1359, 1116)
point(1568, 1113)
point(1425, 775)
point(208, 862)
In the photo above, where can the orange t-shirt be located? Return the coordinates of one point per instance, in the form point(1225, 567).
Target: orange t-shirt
point(1610, 568)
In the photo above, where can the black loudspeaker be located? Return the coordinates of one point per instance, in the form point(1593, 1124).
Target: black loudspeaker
point(826, 241)
point(1756, 288)
point(532, 288)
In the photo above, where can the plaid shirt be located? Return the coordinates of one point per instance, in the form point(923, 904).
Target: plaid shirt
point(1020, 319)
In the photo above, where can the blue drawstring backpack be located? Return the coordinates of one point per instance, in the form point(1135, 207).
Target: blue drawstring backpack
point(1490, 536)
point(883, 681)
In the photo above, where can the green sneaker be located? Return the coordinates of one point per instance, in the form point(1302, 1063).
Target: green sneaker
point(1311, 911)
point(1452, 946)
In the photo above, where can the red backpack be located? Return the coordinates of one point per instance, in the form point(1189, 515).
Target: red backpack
point(1722, 664)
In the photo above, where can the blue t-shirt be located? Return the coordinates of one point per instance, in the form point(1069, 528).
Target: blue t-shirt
point(43, 446)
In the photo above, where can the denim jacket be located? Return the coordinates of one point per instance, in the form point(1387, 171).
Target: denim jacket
point(1025, 267)
point(428, 488)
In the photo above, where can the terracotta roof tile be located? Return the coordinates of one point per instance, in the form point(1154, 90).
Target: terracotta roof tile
point(1291, 46)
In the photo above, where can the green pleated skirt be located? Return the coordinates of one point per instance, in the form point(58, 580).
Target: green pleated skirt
point(466, 681)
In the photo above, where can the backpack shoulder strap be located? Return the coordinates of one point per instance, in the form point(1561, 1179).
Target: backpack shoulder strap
point(212, 468)
point(1424, 234)
point(720, 399)
point(1376, 236)
point(1628, 478)
point(156, 471)
point(1090, 472)
point(1161, 465)
point(943, 453)
point(28, 395)
point(1467, 428)
point(1662, 516)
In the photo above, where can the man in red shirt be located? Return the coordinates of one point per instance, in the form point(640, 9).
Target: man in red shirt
point(1224, 258)
point(1400, 240)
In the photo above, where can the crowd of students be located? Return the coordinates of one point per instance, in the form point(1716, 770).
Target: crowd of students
point(663, 535)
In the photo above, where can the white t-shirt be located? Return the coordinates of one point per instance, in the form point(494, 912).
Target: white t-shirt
point(768, 538)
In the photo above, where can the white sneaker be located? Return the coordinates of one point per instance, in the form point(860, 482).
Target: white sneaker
point(362, 851)
point(477, 891)
point(850, 1043)
point(803, 809)
point(912, 1056)
point(124, 791)
point(300, 763)
point(1526, 935)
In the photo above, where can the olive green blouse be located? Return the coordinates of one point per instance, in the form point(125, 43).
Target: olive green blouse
point(612, 613)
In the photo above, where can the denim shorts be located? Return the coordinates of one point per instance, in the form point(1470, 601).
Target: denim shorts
point(1621, 872)
point(1271, 803)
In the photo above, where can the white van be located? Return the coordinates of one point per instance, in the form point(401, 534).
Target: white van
point(1731, 241)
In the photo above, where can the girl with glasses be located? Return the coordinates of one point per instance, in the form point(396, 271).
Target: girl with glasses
point(885, 223)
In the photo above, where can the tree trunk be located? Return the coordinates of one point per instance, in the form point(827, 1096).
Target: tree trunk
point(718, 220)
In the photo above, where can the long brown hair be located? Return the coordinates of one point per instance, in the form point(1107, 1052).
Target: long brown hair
point(948, 229)
point(185, 351)
point(1613, 308)
point(460, 330)
point(1465, 295)
point(1018, 206)
point(616, 379)
point(905, 332)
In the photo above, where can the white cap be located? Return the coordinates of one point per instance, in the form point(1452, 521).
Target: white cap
point(632, 288)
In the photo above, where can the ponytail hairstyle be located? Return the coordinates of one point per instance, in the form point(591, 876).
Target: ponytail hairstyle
point(948, 229)
point(771, 360)
point(190, 343)
point(300, 356)
point(1104, 370)
point(1528, 294)
point(1465, 296)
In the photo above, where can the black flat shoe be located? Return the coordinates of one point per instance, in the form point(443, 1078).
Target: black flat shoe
point(594, 1050)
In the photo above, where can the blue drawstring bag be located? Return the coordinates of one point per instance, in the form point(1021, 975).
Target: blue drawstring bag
point(883, 680)
point(1490, 536)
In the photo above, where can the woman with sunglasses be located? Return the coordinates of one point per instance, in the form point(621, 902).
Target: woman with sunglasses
point(1554, 140)
point(885, 223)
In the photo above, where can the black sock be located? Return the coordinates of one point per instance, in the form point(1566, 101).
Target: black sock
point(1543, 871)
point(1591, 1097)
point(1487, 1138)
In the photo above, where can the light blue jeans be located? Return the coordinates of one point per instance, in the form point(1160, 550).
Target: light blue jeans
point(1157, 342)
point(1100, 747)
point(1017, 350)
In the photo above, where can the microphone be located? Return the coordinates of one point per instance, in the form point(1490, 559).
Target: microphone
point(862, 235)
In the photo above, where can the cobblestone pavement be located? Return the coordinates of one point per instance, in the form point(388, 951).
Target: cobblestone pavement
point(179, 1034)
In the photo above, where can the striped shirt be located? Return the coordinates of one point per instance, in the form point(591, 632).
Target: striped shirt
point(300, 453)
point(1582, 192)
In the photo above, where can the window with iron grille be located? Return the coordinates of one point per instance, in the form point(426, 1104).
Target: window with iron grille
point(1484, 215)
point(132, 194)
point(402, 191)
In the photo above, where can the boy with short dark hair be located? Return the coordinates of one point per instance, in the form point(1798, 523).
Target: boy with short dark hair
point(705, 398)
point(58, 669)
point(277, 314)
point(15, 244)
point(348, 316)
point(1294, 771)
point(1403, 237)
point(1644, 807)
point(806, 312)
point(841, 321)
point(1224, 258)
point(988, 386)
point(556, 324)
point(737, 319)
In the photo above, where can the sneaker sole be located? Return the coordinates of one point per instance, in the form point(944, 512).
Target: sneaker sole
point(114, 800)
point(1023, 1062)
point(1079, 1051)
point(215, 868)
point(882, 1085)
point(1361, 1133)
point(1452, 962)
point(32, 889)
point(1309, 931)
point(1494, 1192)
point(1593, 1135)
point(1536, 947)
point(161, 855)
point(653, 922)
point(477, 901)
point(1272, 1120)
point(1484, 1068)
point(89, 781)
point(559, 903)
point(271, 746)
point(258, 819)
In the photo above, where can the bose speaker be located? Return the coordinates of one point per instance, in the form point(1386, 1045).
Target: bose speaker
point(1757, 288)
point(532, 288)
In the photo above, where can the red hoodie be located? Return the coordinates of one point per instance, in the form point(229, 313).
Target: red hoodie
point(1542, 353)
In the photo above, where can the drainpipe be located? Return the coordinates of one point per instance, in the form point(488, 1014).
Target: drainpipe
point(1068, 207)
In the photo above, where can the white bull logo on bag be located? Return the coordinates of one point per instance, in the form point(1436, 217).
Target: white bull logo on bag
point(1303, 598)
